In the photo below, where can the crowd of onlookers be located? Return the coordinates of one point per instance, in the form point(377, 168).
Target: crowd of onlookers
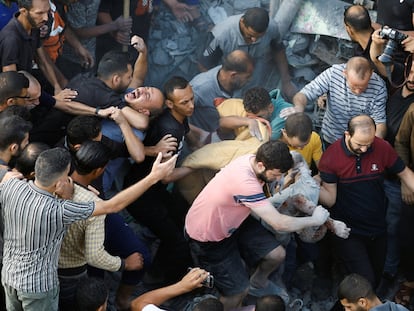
point(218, 172)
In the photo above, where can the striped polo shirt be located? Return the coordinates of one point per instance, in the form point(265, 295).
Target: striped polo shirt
point(34, 224)
point(342, 104)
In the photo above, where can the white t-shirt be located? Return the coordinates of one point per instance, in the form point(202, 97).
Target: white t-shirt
point(152, 308)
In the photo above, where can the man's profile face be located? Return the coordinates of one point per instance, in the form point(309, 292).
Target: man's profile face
point(265, 113)
point(37, 16)
point(348, 306)
point(22, 145)
point(124, 80)
point(409, 84)
point(249, 34)
point(295, 142)
point(33, 93)
point(269, 176)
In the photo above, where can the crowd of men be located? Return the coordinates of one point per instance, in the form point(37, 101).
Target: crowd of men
point(201, 165)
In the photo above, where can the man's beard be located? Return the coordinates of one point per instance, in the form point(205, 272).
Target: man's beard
point(411, 89)
point(353, 150)
point(262, 177)
point(32, 21)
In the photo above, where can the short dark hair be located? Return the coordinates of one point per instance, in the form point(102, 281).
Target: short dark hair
point(51, 164)
point(91, 294)
point(257, 19)
point(238, 61)
point(13, 130)
point(11, 84)
point(270, 303)
point(275, 155)
point(25, 162)
point(113, 62)
point(299, 125)
point(174, 83)
point(209, 304)
point(91, 155)
point(83, 128)
point(363, 122)
point(17, 110)
point(27, 4)
point(353, 287)
point(357, 17)
point(256, 99)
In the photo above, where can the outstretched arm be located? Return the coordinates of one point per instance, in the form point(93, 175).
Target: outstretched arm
point(141, 63)
point(129, 195)
point(190, 281)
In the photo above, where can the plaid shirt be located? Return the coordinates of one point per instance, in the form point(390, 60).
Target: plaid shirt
point(84, 240)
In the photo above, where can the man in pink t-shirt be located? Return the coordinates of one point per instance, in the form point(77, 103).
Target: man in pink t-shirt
point(224, 238)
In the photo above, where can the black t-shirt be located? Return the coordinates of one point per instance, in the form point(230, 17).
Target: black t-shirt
point(18, 47)
point(396, 108)
point(162, 125)
point(94, 92)
point(396, 14)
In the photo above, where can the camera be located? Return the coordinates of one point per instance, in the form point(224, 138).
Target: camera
point(394, 38)
point(209, 280)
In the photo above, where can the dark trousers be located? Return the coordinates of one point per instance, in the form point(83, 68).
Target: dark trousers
point(120, 240)
point(164, 214)
point(362, 254)
point(406, 239)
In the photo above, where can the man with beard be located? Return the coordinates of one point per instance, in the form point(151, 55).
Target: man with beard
point(356, 294)
point(14, 136)
point(20, 41)
point(217, 84)
point(352, 170)
point(222, 235)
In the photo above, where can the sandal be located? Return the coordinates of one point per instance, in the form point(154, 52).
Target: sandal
point(404, 295)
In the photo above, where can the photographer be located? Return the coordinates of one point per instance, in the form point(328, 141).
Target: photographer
point(396, 68)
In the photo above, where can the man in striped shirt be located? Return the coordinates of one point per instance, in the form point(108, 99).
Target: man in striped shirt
point(35, 221)
point(353, 89)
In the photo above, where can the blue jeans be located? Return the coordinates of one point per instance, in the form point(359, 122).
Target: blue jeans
point(392, 190)
point(18, 301)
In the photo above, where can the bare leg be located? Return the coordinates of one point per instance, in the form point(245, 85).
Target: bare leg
point(269, 263)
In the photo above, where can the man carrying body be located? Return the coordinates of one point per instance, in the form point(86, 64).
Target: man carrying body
point(221, 232)
point(353, 88)
point(352, 170)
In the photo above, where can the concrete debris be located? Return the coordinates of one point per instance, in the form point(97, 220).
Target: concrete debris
point(217, 14)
